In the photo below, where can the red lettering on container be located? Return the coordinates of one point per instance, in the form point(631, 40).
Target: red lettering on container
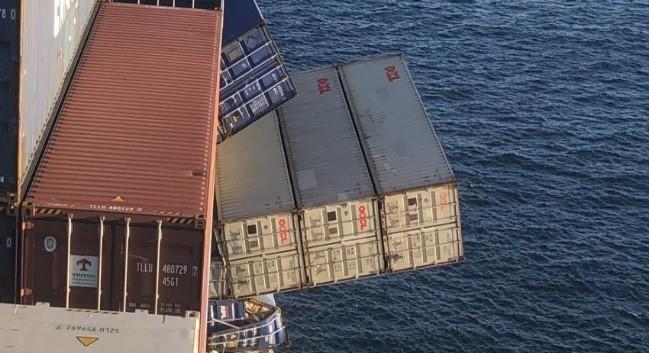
point(324, 85)
point(362, 217)
point(283, 232)
point(392, 73)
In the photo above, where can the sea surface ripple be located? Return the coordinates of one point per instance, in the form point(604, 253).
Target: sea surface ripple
point(543, 109)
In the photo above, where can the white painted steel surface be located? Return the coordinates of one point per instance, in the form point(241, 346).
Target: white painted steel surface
point(40, 328)
point(401, 145)
point(252, 177)
point(261, 235)
point(342, 241)
point(324, 154)
point(422, 228)
point(50, 35)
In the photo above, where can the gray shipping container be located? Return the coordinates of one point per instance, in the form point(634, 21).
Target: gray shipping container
point(51, 33)
point(420, 217)
point(401, 144)
point(257, 233)
point(338, 222)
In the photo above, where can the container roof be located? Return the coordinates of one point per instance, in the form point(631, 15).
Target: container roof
point(136, 133)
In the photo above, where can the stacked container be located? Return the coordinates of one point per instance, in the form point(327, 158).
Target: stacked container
point(418, 191)
point(254, 80)
point(119, 213)
point(339, 219)
point(51, 37)
point(258, 234)
point(372, 189)
point(9, 40)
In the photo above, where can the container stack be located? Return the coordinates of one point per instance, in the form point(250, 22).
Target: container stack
point(169, 164)
point(370, 186)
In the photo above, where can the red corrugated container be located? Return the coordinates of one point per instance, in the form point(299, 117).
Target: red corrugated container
point(118, 216)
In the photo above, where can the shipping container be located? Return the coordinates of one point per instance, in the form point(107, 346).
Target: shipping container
point(257, 234)
point(339, 214)
point(41, 328)
point(119, 214)
point(9, 54)
point(420, 208)
point(254, 79)
point(52, 32)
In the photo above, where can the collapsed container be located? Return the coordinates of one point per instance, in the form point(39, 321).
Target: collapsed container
point(254, 79)
point(119, 213)
point(257, 232)
point(9, 54)
point(339, 220)
point(372, 189)
point(420, 209)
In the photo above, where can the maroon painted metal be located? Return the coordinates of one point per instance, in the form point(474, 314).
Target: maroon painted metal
point(136, 131)
point(119, 214)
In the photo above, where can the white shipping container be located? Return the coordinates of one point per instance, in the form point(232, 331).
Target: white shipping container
point(402, 148)
point(422, 228)
point(417, 188)
point(257, 237)
point(41, 328)
point(51, 33)
point(339, 222)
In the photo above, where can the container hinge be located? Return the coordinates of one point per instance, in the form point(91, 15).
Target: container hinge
point(11, 204)
point(199, 222)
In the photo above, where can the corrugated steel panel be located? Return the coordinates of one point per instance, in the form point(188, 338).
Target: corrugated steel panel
point(252, 176)
point(136, 133)
point(27, 329)
point(197, 4)
point(402, 147)
point(323, 150)
point(254, 80)
point(50, 35)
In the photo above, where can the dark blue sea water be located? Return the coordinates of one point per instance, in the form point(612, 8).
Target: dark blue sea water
point(543, 109)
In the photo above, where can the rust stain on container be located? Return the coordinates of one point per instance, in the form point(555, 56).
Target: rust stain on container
point(136, 132)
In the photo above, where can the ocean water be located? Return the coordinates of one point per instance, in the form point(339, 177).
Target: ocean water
point(543, 109)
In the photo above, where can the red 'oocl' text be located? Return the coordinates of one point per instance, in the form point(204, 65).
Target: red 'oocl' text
point(283, 232)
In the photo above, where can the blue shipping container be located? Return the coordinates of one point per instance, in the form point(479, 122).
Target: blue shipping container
point(9, 54)
point(254, 79)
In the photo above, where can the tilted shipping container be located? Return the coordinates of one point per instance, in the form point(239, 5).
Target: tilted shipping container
point(254, 80)
point(51, 34)
point(419, 192)
point(119, 214)
point(257, 235)
point(9, 53)
point(339, 214)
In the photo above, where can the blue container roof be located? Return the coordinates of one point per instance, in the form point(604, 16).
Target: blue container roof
point(239, 17)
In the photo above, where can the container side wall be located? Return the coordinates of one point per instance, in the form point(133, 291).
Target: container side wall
point(252, 176)
point(254, 80)
point(422, 228)
point(402, 147)
point(323, 150)
point(50, 37)
point(239, 17)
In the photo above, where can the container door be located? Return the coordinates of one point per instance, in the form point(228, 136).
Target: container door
point(45, 261)
point(342, 241)
point(422, 228)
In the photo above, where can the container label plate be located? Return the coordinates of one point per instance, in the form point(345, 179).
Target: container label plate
point(84, 271)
